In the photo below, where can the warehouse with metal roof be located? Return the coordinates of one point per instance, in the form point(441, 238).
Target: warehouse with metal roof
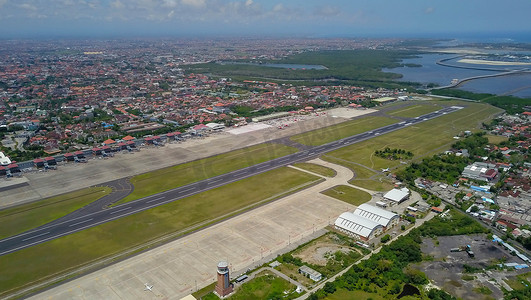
point(376, 214)
point(397, 195)
point(358, 226)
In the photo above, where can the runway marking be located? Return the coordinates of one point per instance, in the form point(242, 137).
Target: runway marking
point(117, 211)
point(187, 190)
point(153, 200)
point(214, 181)
point(80, 222)
point(35, 236)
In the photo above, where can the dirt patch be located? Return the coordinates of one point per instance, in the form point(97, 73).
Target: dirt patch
point(447, 268)
point(318, 254)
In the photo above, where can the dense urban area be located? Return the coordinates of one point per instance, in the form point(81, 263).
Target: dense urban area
point(437, 207)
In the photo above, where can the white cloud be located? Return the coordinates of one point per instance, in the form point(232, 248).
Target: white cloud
point(170, 3)
point(429, 10)
point(278, 8)
point(327, 11)
point(2, 2)
point(248, 2)
point(28, 6)
point(117, 4)
point(194, 3)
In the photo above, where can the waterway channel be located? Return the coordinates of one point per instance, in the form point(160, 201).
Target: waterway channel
point(430, 72)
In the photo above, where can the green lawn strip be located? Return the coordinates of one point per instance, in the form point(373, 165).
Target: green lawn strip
point(335, 132)
point(496, 139)
point(348, 194)
point(415, 110)
point(420, 138)
point(28, 216)
point(373, 184)
point(266, 286)
point(43, 261)
point(363, 177)
point(518, 282)
point(205, 292)
point(318, 169)
point(183, 174)
point(342, 294)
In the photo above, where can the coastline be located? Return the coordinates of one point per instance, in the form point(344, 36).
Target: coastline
point(492, 62)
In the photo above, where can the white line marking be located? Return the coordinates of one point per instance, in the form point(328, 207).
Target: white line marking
point(117, 211)
point(153, 200)
point(35, 236)
point(80, 222)
point(214, 181)
point(188, 189)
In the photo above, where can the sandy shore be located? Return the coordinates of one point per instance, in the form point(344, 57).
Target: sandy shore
point(492, 62)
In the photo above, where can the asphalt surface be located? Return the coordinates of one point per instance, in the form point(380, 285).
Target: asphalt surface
point(77, 222)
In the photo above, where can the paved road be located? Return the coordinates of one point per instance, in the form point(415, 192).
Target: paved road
point(77, 223)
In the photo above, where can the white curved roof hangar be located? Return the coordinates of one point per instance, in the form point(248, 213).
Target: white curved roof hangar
point(375, 214)
point(356, 224)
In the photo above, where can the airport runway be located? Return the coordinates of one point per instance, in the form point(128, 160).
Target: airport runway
point(77, 223)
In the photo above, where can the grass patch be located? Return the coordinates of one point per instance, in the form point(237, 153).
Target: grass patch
point(342, 294)
point(468, 277)
point(363, 177)
point(200, 294)
point(482, 290)
point(519, 282)
point(335, 132)
point(318, 169)
point(42, 261)
point(348, 194)
point(267, 286)
point(415, 110)
point(292, 271)
point(422, 139)
point(496, 139)
point(373, 185)
point(172, 177)
point(24, 217)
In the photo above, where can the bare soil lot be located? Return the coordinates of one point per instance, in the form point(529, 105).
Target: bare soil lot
point(447, 268)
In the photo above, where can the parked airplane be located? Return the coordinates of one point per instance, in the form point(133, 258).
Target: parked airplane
point(148, 287)
point(385, 170)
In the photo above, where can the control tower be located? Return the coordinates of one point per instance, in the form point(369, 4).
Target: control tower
point(224, 287)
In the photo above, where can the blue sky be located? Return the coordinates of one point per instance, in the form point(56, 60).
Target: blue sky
point(304, 18)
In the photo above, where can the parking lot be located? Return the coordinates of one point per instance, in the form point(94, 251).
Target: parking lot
point(446, 269)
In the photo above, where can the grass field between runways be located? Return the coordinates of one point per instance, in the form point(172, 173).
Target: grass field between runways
point(335, 132)
point(21, 218)
point(317, 169)
point(415, 110)
point(67, 253)
point(348, 194)
point(172, 177)
point(423, 139)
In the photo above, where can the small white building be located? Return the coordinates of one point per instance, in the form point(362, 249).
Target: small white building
point(307, 271)
point(397, 195)
point(215, 126)
point(4, 160)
